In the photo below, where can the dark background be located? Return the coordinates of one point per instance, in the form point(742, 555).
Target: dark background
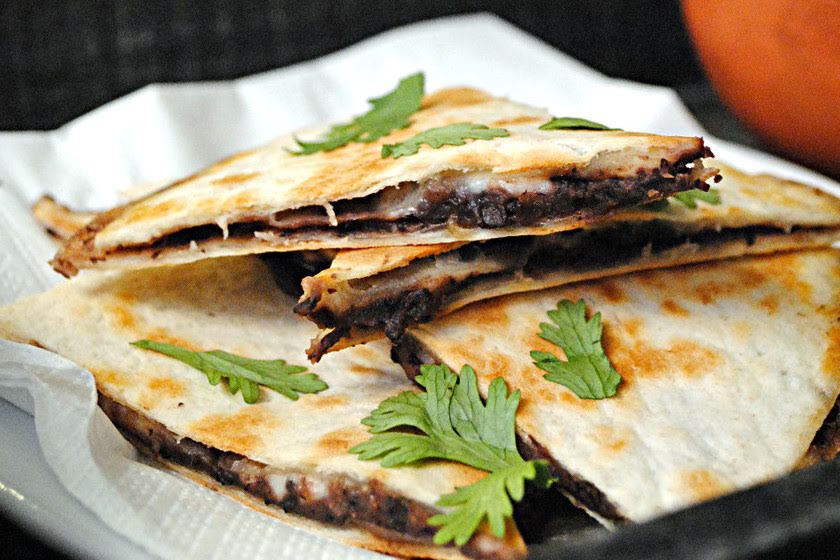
point(60, 59)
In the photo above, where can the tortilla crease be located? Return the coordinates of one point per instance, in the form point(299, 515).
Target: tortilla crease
point(269, 181)
point(729, 370)
point(791, 215)
point(234, 305)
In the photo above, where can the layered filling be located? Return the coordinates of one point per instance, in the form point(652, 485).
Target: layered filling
point(330, 499)
point(391, 301)
point(452, 199)
point(483, 200)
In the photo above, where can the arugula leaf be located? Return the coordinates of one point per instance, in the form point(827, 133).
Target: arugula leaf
point(450, 135)
point(690, 198)
point(454, 425)
point(587, 370)
point(390, 112)
point(243, 374)
point(573, 123)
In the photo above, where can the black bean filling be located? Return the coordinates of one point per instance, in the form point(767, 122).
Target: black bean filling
point(346, 503)
point(580, 250)
point(444, 203)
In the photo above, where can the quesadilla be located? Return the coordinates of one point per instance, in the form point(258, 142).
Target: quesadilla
point(284, 457)
point(270, 199)
point(728, 370)
point(366, 293)
point(289, 269)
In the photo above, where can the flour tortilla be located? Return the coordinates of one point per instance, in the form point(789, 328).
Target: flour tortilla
point(234, 305)
point(759, 214)
point(234, 207)
point(729, 369)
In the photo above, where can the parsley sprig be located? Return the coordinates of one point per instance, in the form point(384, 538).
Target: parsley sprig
point(389, 112)
point(448, 421)
point(242, 374)
point(573, 123)
point(451, 135)
point(587, 371)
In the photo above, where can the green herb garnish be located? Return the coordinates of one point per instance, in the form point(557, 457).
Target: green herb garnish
point(690, 198)
point(450, 422)
point(390, 112)
point(687, 198)
point(573, 123)
point(587, 371)
point(242, 374)
point(450, 135)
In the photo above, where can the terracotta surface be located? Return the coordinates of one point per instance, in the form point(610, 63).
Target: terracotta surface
point(776, 64)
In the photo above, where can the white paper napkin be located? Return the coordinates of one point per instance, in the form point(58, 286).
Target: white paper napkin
point(166, 131)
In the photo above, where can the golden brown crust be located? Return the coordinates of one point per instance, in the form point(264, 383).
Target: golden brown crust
point(59, 221)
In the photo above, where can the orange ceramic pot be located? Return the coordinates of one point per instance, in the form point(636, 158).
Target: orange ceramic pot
point(776, 65)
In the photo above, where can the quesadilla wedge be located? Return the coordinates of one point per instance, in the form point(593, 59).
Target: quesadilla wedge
point(366, 293)
point(289, 269)
point(269, 199)
point(728, 370)
point(285, 457)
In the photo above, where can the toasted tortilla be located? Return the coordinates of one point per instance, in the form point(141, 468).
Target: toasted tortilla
point(293, 454)
point(531, 182)
point(58, 220)
point(729, 369)
point(368, 293)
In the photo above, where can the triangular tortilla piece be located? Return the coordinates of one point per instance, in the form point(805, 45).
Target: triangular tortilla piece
point(530, 182)
point(366, 293)
point(729, 370)
point(293, 453)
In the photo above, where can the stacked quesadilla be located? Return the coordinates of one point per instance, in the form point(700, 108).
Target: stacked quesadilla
point(521, 181)
point(366, 293)
point(451, 224)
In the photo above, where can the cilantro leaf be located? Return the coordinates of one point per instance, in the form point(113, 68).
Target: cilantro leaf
point(243, 374)
point(587, 371)
point(450, 135)
point(450, 422)
point(690, 198)
point(454, 423)
point(573, 123)
point(390, 112)
point(687, 198)
point(490, 497)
